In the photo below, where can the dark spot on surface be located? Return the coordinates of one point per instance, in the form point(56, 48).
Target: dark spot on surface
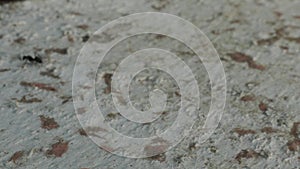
point(82, 132)
point(58, 149)
point(267, 41)
point(83, 26)
point(31, 100)
point(192, 146)
point(284, 47)
point(70, 38)
point(279, 33)
point(62, 51)
point(178, 159)
point(177, 94)
point(161, 158)
point(65, 99)
point(277, 13)
point(75, 13)
point(16, 156)
point(235, 21)
point(42, 86)
point(159, 36)
point(4, 70)
point(112, 115)
point(293, 39)
point(20, 40)
point(160, 4)
point(242, 132)
point(243, 58)
point(248, 98)
point(263, 107)
point(9, 1)
point(48, 123)
point(107, 80)
point(213, 149)
point(246, 154)
point(31, 59)
point(85, 38)
point(296, 17)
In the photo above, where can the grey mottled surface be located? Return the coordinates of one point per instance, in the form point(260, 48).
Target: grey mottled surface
point(258, 42)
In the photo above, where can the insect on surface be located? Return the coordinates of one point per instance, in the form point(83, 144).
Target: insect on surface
point(31, 59)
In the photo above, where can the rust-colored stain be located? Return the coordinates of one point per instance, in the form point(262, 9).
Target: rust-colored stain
point(31, 100)
point(48, 123)
point(246, 154)
point(42, 86)
point(83, 26)
point(293, 39)
point(262, 106)
point(242, 132)
point(293, 145)
point(58, 149)
point(62, 51)
point(269, 130)
point(248, 98)
point(107, 79)
point(243, 58)
point(294, 130)
point(17, 155)
point(267, 41)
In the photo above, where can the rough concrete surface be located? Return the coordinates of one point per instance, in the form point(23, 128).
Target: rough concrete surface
point(258, 42)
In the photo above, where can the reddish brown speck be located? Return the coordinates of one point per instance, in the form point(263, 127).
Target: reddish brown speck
point(294, 130)
point(293, 145)
point(107, 79)
point(58, 149)
point(242, 132)
point(243, 58)
point(278, 14)
point(262, 106)
point(269, 130)
point(248, 98)
point(246, 154)
point(83, 26)
point(297, 17)
point(42, 86)
point(254, 65)
point(48, 123)
point(17, 155)
point(31, 100)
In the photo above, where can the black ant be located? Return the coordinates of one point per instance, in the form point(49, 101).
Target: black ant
point(32, 59)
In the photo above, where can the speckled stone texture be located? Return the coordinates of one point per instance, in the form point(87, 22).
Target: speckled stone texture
point(258, 42)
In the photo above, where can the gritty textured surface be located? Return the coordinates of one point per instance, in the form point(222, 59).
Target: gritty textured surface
point(258, 42)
